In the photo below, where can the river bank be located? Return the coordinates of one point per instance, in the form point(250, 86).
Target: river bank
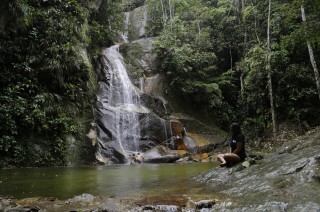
point(88, 202)
point(285, 180)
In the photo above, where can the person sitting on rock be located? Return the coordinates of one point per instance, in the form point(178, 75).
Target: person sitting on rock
point(237, 148)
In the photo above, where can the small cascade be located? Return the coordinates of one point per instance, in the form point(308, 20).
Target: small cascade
point(165, 128)
point(171, 145)
point(169, 208)
point(125, 35)
point(141, 80)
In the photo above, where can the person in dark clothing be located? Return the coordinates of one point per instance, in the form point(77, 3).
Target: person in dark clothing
point(237, 147)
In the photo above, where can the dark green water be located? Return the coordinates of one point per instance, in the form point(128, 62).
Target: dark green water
point(123, 181)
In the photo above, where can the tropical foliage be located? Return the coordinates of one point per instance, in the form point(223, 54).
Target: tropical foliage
point(215, 53)
point(46, 75)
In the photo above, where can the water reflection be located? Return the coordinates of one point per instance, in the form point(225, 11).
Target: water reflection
point(120, 180)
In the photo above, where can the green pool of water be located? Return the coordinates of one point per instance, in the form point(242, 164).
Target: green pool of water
point(122, 181)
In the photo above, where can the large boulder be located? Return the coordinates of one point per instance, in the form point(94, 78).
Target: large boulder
point(154, 131)
point(138, 22)
point(160, 154)
point(148, 58)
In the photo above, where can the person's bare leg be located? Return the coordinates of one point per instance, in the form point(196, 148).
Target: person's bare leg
point(231, 157)
point(221, 159)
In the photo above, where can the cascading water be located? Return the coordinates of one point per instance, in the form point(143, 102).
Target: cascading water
point(141, 81)
point(125, 35)
point(118, 109)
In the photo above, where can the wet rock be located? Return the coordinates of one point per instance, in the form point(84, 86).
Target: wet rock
point(268, 206)
point(163, 203)
point(190, 144)
point(111, 205)
point(168, 208)
point(160, 154)
point(179, 144)
point(183, 160)
point(25, 205)
point(155, 104)
point(154, 130)
point(248, 163)
point(305, 207)
point(280, 182)
point(6, 201)
point(24, 209)
point(204, 204)
point(296, 167)
point(83, 199)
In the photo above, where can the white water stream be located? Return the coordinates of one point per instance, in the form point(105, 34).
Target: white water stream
point(124, 101)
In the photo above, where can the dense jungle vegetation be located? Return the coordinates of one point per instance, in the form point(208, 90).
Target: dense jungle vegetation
point(245, 60)
point(47, 80)
point(236, 57)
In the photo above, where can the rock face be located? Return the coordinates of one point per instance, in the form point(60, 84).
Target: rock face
point(148, 60)
point(287, 180)
point(124, 117)
point(137, 21)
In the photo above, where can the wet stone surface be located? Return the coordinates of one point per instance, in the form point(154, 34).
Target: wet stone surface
point(283, 181)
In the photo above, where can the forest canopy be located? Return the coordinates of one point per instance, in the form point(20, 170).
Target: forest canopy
point(217, 54)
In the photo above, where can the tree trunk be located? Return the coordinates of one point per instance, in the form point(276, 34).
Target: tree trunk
point(245, 47)
point(273, 114)
point(242, 85)
point(255, 24)
point(164, 14)
point(311, 55)
point(231, 59)
point(244, 22)
point(170, 13)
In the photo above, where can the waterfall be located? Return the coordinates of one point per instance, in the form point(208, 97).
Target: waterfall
point(171, 140)
point(118, 106)
point(125, 100)
point(141, 81)
point(128, 119)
